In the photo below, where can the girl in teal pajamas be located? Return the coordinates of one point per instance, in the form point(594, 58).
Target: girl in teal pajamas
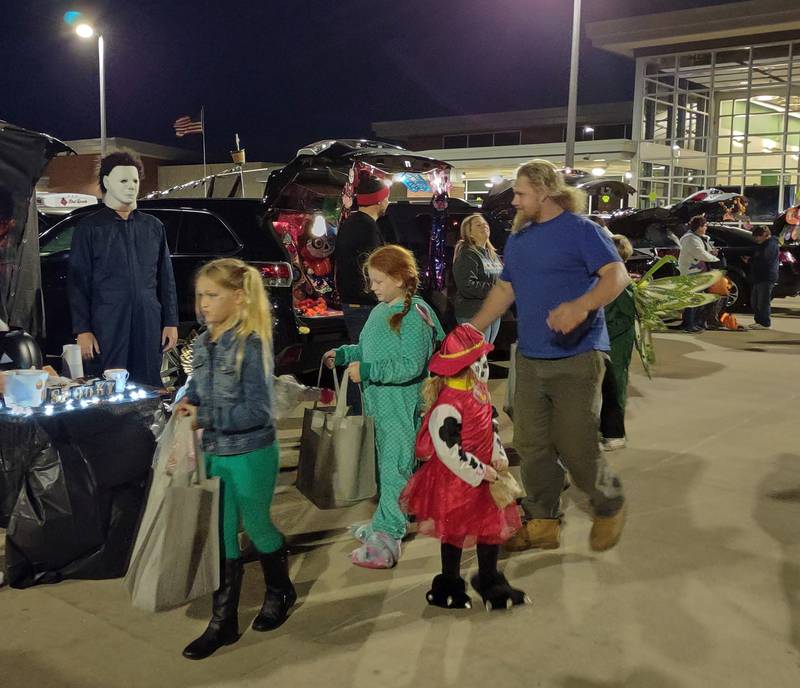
point(229, 396)
point(391, 361)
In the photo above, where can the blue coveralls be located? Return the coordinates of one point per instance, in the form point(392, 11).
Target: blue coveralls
point(122, 289)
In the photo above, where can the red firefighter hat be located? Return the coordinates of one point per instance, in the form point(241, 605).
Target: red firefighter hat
point(460, 349)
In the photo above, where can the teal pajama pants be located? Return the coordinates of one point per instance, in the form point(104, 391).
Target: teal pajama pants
point(247, 482)
point(395, 435)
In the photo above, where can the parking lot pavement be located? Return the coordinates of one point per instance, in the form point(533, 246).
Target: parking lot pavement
point(701, 591)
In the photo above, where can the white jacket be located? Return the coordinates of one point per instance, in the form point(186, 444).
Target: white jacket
point(693, 254)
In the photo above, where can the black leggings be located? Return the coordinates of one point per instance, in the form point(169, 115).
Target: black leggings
point(487, 560)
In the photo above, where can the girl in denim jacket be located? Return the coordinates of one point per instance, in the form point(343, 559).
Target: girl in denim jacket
point(229, 397)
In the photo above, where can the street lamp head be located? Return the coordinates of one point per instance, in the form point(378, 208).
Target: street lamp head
point(84, 30)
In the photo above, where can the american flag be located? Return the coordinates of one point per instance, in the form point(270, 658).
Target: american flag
point(186, 125)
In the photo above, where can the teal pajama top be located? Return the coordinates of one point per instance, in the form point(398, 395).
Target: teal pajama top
point(393, 368)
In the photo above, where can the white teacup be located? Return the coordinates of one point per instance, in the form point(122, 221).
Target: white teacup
point(119, 376)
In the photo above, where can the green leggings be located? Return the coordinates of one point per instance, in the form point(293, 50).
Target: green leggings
point(247, 482)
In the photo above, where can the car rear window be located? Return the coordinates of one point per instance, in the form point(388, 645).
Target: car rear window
point(59, 239)
point(202, 233)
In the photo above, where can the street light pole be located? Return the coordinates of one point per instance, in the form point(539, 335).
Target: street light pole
point(572, 105)
point(87, 31)
point(101, 59)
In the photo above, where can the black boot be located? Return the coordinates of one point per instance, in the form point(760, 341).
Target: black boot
point(223, 629)
point(280, 596)
point(448, 593)
point(497, 593)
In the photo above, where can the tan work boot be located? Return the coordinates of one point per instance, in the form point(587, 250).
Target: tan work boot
point(539, 533)
point(606, 531)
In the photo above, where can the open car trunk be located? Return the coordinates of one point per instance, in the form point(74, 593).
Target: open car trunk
point(307, 200)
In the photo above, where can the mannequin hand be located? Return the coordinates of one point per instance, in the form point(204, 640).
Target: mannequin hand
point(489, 475)
point(566, 317)
point(355, 371)
point(169, 338)
point(88, 343)
point(330, 358)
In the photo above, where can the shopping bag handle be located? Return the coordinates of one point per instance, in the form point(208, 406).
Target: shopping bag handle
point(340, 390)
point(341, 394)
point(199, 459)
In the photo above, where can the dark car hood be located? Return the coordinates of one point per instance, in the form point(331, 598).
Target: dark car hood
point(323, 167)
point(634, 223)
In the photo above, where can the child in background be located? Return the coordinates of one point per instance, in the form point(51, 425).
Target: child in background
point(229, 397)
point(391, 361)
point(620, 322)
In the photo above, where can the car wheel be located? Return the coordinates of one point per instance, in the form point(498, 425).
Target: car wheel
point(739, 293)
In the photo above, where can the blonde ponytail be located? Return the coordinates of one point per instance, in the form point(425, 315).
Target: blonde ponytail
point(255, 316)
point(431, 389)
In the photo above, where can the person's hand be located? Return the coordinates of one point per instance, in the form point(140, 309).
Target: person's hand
point(169, 338)
point(500, 464)
point(187, 410)
point(355, 371)
point(566, 317)
point(330, 358)
point(469, 324)
point(89, 346)
point(489, 474)
point(745, 259)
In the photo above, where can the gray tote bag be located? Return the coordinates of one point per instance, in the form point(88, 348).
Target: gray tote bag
point(337, 454)
point(177, 552)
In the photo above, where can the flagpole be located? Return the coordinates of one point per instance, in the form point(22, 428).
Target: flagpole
point(205, 168)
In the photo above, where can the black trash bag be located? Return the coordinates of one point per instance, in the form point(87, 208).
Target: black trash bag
point(56, 520)
point(81, 498)
point(119, 448)
point(18, 445)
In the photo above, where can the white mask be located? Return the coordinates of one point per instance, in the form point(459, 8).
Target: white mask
point(122, 187)
point(480, 369)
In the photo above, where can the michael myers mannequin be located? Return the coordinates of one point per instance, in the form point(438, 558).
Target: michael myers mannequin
point(121, 286)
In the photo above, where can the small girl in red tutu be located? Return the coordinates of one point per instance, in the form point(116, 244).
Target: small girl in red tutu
point(450, 495)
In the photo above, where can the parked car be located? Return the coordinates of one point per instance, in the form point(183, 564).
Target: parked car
point(198, 230)
point(656, 232)
point(304, 201)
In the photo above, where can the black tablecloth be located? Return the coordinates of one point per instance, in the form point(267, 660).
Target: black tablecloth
point(72, 486)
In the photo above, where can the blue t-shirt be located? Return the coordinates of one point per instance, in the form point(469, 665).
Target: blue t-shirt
point(548, 264)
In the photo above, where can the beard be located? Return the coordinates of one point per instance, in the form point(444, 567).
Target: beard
point(522, 218)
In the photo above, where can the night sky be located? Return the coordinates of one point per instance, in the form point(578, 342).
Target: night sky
point(284, 73)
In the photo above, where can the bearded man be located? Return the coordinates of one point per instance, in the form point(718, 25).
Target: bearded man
point(561, 270)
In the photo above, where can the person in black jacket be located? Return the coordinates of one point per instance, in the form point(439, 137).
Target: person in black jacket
point(357, 237)
point(476, 268)
point(763, 276)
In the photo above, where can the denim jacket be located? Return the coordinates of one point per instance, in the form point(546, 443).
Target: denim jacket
point(234, 410)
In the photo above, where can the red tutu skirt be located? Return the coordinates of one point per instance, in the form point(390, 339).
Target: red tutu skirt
point(453, 511)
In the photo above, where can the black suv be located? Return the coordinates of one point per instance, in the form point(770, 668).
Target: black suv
point(199, 230)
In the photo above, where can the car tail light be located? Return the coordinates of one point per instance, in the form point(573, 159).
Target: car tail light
point(786, 258)
point(276, 274)
point(289, 357)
